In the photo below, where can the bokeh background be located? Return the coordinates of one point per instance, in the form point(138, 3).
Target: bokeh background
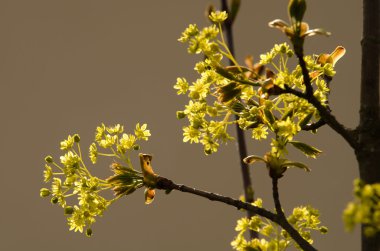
point(66, 66)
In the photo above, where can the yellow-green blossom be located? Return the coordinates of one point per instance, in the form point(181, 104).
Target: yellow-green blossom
point(260, 132)
point(218, 16)
point(56, 187)
point(68, 143)
point(93, 153)
point(190, 32)
point(199, 90)
point(48, 173)
point(287, 129)
point(115, 129)
point(209, 145)
point(127, 141)
point(100, 130)
point(142, 132)
point(70, 160)
point(182, 86)
point(191, 134)
point(77, 221)
point(108, 141)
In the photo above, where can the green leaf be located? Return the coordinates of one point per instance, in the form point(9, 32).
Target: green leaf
point(237, 107)
point(237, 69)
point(309, 151)
point(288, 163)
point(269, 116)
point(224, 73)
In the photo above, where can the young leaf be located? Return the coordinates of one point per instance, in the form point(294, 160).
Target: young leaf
point(252, 159)
point(288, 164)
point(309, 151)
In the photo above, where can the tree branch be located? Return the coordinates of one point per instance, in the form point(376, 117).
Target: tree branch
point(305, 73)
point(168, 185)
point(242, 147)
point(314, 126)
point(348, 134)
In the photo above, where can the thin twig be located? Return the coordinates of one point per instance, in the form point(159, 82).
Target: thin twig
point(276, 197)
point(168, 185)
point(305, 73)
point(314, 126)
point(242, 147)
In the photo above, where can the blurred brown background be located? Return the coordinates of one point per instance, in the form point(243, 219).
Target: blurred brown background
point(66, 66)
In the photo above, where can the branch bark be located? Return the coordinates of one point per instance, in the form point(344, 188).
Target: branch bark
point(368, 152)
point(348, 134)
point(168, 185)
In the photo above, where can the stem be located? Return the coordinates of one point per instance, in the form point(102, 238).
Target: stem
point(276, 197)
point(305, 73)
point(168, 185)
point(242, 147)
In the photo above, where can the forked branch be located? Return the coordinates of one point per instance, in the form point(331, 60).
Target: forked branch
point(168, 185)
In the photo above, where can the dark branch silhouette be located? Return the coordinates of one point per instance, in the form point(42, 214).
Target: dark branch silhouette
point(280, 219)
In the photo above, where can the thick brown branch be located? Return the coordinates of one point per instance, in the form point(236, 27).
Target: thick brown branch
point(369, 128)
point(168, 185)
point(369, 95)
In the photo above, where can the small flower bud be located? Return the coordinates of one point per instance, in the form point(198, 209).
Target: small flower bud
point(208, 151)
point(180, 115)
point(54, 200)
point(323, 230)
point(136, 147)
point(88, 232)
point(69, 210)
point(76, 138)
point(44, 192)
point(49, 159)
